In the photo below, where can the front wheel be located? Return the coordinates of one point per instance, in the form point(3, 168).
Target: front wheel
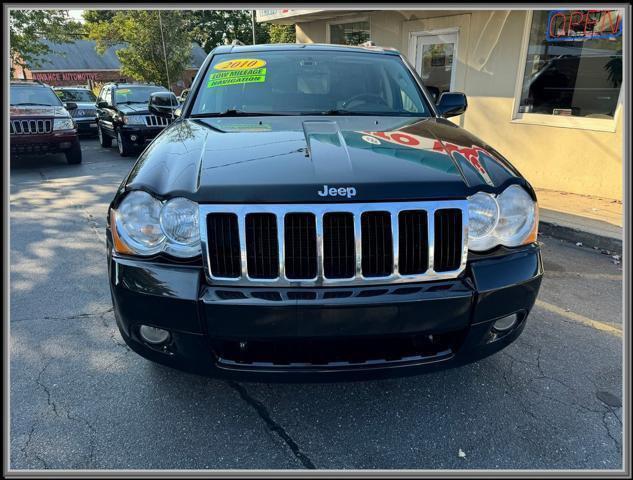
point(73, 154)
point(104, 140)
point(125, 146)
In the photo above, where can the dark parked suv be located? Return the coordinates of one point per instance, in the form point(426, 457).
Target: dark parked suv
point(312, 212)
point(122, 114)
point(40, 123)
point(85, 115)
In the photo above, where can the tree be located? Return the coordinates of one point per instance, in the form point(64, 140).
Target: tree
point(28, 27)
point(140, 36)
point(210, 28)
point(280, 33)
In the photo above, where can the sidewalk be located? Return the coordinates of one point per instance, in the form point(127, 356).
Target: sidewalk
point(593, 221)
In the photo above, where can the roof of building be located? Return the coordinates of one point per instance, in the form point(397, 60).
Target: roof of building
point(82, 55)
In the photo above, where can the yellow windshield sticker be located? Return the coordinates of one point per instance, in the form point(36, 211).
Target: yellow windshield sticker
point(238, 72)
point(240, 64)
point(123, 90)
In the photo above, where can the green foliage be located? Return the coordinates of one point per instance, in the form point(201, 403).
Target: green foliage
point(280, 33)
point(28, 27)
point(142, 56)
point(210, 28)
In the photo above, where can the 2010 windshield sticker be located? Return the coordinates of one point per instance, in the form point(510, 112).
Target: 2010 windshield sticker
point(238, 72)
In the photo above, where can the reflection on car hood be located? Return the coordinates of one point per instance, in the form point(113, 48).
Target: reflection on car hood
point(37, 111)
point(133, 109)
point(289, 159)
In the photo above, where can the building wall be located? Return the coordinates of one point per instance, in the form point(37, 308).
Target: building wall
point(95, 79)
point(575, 160)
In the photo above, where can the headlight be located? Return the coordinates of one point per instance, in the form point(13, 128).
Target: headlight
point(134, 120)
point(63, 124)
point(143, 225)
point(510, 219)
point(483, 214)
point(179, 222)
point(517, 214)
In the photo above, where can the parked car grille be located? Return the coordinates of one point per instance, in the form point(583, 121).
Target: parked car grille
point(83, 113)
point(224, 245)
point(261, 245)
point(339, 257)
point(155, 121)
point(300, 245)
point(334, 244)
point(31, 127)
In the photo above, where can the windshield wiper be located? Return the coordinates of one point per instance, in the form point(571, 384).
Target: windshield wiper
point(232, 112)
point(31, 104)
point(130, 101)
point(341, 111)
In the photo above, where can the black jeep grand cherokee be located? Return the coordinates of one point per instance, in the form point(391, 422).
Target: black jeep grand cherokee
point(312, 212)
point(123, 114)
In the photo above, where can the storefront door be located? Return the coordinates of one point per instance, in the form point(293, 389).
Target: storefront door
point(435, 59)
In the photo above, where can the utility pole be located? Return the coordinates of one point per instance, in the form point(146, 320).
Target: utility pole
point(162, 36)
point(253, 24)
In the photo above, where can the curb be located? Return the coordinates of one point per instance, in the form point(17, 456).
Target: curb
point(574, 235)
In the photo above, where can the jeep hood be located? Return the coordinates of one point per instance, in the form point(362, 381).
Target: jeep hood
point(289, 159)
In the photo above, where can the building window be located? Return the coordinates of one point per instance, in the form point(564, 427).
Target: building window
point(574, 63)
point(353, 33)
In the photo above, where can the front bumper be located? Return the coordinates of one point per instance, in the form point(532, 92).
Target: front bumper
point(139, 134)
point(53, 142)
point(86, 124)
point(395, 329)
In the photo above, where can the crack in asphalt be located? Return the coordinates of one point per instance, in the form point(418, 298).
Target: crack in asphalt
point(602, 412)
point(93, 434)
point(606, 427)
point(81, 315)
point(272, 425)
point(25, 447)
point(49, 399)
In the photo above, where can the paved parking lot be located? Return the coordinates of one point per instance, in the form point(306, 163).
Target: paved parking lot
point(80, 399)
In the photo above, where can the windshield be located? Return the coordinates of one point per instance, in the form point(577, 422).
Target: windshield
point(316, 82)
point(135, 94)
point(34, 95)
point(76, 95)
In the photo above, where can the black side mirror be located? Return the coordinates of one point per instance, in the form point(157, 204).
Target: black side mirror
point(70, 106)
point(102, 104)
point(434, 92)
point(451, 104)
point(163, 104)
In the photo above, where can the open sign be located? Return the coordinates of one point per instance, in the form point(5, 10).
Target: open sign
point(565, 25)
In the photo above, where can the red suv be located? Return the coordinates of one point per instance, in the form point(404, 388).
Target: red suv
point(40, 122)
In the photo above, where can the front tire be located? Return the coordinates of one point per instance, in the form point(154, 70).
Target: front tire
point(73, 154)
point(125, 146)
point(104, 140)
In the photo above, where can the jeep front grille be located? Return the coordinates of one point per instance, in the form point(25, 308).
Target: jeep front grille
point(156, 121)
point(334, 244)
point(31, 127)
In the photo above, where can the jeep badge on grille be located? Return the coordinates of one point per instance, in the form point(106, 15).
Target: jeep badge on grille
point(348, 192)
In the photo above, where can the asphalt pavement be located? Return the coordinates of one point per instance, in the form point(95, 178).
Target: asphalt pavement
point(80, 399)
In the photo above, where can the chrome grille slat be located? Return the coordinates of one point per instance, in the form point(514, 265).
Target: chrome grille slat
point(156, 121)
point(31, 126)
point(393, 210)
